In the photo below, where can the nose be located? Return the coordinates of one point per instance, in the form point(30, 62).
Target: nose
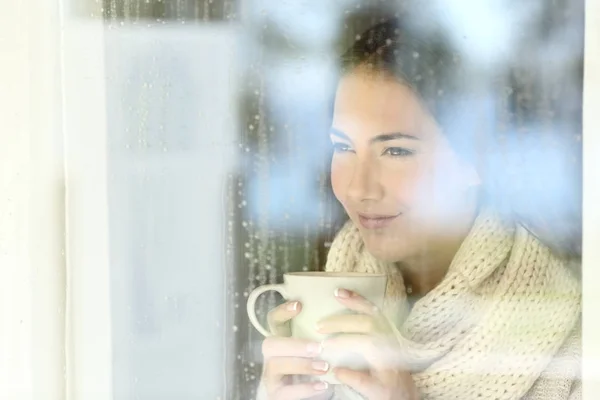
point(365, 185)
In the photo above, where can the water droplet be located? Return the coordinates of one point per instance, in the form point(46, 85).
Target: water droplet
point(357, 37)
point(235, 328)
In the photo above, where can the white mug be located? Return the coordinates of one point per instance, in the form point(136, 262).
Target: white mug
point(316, 292)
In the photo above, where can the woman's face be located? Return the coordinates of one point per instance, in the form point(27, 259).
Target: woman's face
point(394, 171)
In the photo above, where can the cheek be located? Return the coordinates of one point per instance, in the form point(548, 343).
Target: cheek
point(439, 187)
point(339, 181)
point(406, 185)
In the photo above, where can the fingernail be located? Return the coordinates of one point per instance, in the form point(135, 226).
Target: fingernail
point(342, 293)
point(320, 386)
point(314, 349)
point(320, 366)
point(293, 306)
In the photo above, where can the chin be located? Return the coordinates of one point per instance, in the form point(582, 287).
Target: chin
point(385, 250)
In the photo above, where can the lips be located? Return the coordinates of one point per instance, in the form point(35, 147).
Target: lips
point(372, 221)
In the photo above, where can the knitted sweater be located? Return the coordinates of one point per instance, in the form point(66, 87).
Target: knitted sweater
point(504, 323)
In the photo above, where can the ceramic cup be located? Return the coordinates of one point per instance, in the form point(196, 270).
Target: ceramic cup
point(315, 290)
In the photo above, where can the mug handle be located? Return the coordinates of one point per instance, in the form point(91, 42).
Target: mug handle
point(250, 305)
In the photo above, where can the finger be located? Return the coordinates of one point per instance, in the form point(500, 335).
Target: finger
point(300, 391)
point(277, 367)
point(378, 352)
point(361, 382)
point(349, 323)
point(274, 346)
point(355, 302)
point(283, 313)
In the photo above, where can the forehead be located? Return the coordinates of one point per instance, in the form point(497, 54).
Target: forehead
point(377, 103)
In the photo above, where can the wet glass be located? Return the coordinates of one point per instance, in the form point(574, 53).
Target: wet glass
point(218, 154)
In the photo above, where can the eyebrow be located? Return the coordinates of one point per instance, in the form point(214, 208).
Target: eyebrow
point(377, 139)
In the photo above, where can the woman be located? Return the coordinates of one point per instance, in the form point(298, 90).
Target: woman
point(476, 307)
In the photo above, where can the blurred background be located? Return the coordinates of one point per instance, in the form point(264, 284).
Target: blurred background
point(217, 117)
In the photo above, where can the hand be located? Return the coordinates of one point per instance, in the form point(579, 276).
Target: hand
point(369, 334)
point(286, 357)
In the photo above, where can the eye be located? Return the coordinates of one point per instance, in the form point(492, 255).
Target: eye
point(398, 152)
point(341, 148)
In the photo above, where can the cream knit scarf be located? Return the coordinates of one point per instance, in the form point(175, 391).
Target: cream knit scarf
point(494, 323)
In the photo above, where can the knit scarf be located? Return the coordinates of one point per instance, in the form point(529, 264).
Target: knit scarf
point(493, 324)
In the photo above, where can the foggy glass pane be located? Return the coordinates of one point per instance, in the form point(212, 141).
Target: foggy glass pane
point(220, 158)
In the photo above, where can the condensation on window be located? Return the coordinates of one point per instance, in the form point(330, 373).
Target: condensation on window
point(218, 115)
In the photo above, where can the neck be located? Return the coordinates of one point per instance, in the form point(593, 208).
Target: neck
point(425, 271)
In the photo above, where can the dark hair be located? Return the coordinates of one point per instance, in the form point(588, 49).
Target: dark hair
point(426, 61)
